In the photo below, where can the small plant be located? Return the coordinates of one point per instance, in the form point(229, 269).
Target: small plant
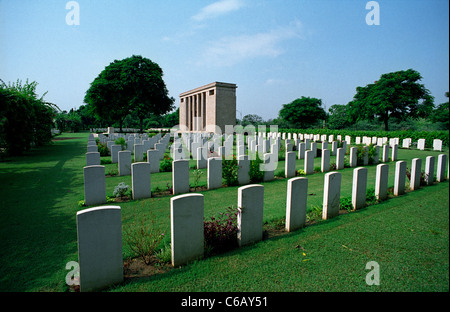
point(121, 142)
point(423, 177)
point(255, 174)
point(301, 172)
point(120, 190)
point(169, 188)
point(197, 175)
point(315, 214)
point(164, 255)
point(230, 170)
point(370, 196)
point(221, 233)
point(332, 166)
point(346, 203)
point(103, 149)
point(166, 164)
point(143, 236)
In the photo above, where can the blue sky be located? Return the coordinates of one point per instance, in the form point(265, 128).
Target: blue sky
point(274, 50)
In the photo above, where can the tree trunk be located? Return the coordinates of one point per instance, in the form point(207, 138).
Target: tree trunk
point(386, 127)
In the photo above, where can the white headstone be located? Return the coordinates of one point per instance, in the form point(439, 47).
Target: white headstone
point(421, 144)
point(99, 236)
point(214, 178)
point(180, 176)
point(309, 162)
point(359, 187)
point(353, 157)
point(429, 170)
point(325, 161)
point(124, 163)
point(289, 169)
point(243, 170)
point(92, 159)
point(400, 178)
point(297, 192)
point(415, 174)
point(437, 145)
point(440, 172)
point(250, 216)
point(141, 180)
point(186, 227)
point(331, 195)
point(94, 185)
point(201, 158)
point(115, 153)
point(381, 181)
point(340, 159)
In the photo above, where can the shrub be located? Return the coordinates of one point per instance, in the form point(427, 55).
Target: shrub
point(346, 203)
point(121, 189)
point(221, 233)
point(166, 164)
point(255, 174)
point(103, 149)
point(423, 177)
point(301, 172)
point(230, 170)
point(197, 174)
point(315, 214)
point(143, 237)
point(121, 142)
point(370, 196)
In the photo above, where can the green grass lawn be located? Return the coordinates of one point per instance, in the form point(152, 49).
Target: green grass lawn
point(407, 235)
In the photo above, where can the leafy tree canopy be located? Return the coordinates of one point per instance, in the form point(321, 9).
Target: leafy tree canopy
point(303, 113)
point(397, 94)
point(134, 84)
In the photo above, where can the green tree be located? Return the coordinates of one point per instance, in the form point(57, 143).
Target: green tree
point(133, 84)
point(397, 94)
point(338, 117)
point(441, 114)
point(252, 119)
point(172, 119)
point(25, 118)
point(303, 113)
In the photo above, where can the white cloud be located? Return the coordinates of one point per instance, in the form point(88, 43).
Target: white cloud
point(217, 8)
point(233, 49)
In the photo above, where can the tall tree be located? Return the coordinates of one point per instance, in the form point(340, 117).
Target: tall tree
point(252, 119)
point(441, 114)
point(133, 84)
point(338, 117)
point(303, 113)
point(397, 94)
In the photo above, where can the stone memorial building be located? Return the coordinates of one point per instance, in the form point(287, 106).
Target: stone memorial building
point(208, 107)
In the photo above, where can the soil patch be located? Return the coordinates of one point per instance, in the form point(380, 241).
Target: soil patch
point(137, 268)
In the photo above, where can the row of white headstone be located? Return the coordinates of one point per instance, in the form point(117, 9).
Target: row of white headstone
point(94, 174)
point(100, 228)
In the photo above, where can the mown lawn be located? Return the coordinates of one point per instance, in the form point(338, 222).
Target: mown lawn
point(407, 236)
